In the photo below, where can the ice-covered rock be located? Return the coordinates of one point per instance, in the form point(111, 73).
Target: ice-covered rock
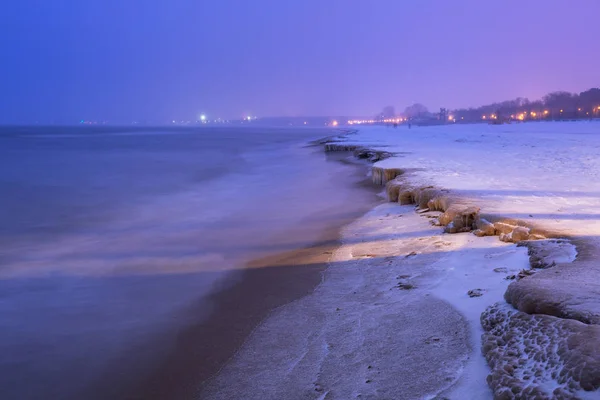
point(381, 175)
point(392, 189)
point(422, 196)
point(462, 216)
point(503, 228)
point(485, 227)
point(539, 356)
point(519, 234)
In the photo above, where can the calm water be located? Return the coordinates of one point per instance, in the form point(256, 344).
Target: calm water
point(105, 235)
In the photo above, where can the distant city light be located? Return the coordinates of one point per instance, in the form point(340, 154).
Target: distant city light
point(334, 123)
point(561, 110)
point(483, 117)
point(249, 118)
point(450, 117)
point(203, 118)
point(546, 112)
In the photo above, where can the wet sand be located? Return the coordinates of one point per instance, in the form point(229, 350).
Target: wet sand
point(195, 349)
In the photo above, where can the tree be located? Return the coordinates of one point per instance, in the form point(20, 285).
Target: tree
point(560, 101)
point(590, 99)
point(415, 111)
point(388, 112)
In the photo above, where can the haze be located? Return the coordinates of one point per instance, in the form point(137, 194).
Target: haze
point(119, 61)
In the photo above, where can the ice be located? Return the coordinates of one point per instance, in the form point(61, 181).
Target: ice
point(391, 319)
point(399, 312)
point(532, 180)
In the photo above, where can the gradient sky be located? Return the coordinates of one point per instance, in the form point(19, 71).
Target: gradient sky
point(123, 60)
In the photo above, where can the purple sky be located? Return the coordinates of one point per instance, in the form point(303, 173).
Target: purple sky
point(123, 60)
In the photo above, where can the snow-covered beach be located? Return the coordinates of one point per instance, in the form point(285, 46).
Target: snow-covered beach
point(399, 312)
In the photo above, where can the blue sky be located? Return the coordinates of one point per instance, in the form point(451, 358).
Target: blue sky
point(65, 60)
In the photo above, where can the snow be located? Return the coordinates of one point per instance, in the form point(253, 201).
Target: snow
point(547, 170)
point(393, 317)
point(543, 176)
point(360, 325)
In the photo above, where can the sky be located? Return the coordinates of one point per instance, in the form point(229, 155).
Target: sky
point(158, 60)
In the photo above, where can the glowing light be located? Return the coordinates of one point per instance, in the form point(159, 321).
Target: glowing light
point(450, 117)
point(203, 118)
point(561, 110)
point(483, 117)
point(546, 112)
point(334, 123)
point(249, 118)
point(521, 117)
point(579, 109)
point(533, 114)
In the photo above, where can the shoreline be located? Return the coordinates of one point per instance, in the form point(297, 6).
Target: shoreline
point(444, 255)
point(428, 332)
point(549, 301)
point(239, 306)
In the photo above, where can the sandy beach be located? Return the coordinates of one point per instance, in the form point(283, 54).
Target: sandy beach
point(408, 311)
point(149, 293)
point(265, 284)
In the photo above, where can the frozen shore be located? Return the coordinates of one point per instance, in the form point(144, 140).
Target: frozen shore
point(523, 183)
point(406, 310)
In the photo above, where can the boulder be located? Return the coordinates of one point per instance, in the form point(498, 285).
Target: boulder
point(502, 227)
point(392, 189)
point(381, 176)
point(519, 234)
point(485, 226)
point(462, 216)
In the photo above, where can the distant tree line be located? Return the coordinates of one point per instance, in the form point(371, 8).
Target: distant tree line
point(553, 106)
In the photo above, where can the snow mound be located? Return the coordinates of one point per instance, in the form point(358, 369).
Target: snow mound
point(539, 356)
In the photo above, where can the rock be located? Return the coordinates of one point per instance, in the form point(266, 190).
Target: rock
point(506, 237)
point(475, 292)
point(462, 216)
point(423, 196)
point(503, 228)
point(501, 269)
point(392, 189)
point(406, 197)
point(479, 233)
point(485, 226)
point(525, 273)
point(341, 147)
point(519, 234)
point(381, 176)
point(535, 236)
point(405, 286)
point(450, 228)
point(558, 358)
point(441, 202)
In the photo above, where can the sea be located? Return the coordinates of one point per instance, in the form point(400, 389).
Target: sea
point(106, 233)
